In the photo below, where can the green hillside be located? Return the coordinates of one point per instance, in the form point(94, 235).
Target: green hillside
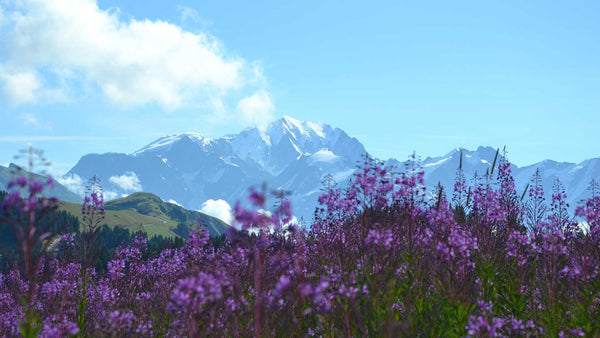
point(148, 212)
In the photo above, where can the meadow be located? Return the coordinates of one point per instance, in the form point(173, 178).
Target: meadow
point(382, 257)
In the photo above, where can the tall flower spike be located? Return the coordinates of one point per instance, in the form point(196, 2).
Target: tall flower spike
point(29, 211)
point(559, 214)
point(535, 207)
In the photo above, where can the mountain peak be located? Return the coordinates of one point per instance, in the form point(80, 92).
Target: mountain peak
point(290, 119)
point(295, 126)
point(482, 150)
point(168, 141)
point(456, 150)
point(486, 149)
point(289, 154)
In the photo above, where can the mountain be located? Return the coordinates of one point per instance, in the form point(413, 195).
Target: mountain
point(190, 169)
point(574, 177)
point(155, 216)
point(148, 212)
point(291, 155)
point(152, 206)
point(59, 191)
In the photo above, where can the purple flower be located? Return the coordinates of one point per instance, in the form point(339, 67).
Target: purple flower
point(35, 187)
point(283, 283)
point(122, 321)
point(257, 198)
point(11, 200)
point(193, 293)
point(21, 181)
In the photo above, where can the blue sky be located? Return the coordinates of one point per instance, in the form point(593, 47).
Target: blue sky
point(81, 76)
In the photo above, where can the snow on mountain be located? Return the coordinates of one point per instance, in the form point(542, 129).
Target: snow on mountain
point(291, 155)
point(574, 177)
point(324, 155)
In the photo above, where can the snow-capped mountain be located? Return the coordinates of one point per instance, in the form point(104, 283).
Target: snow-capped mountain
point(190, 169)
point(574, 177)
point(292, 155)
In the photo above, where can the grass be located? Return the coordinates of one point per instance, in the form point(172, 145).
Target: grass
point(149, 212)
point(128, 219)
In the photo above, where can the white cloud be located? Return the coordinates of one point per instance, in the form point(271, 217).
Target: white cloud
point(256, 109)
point(110, 195)
point(219, 209)
point(190, 14)
point(172, 201)
point(74, 183)
point(30, 120)
point(78, 185)
point(133, 62)
point(127, 182)
point(20, 87)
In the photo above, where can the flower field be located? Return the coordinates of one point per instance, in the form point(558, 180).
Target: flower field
point(382, 257)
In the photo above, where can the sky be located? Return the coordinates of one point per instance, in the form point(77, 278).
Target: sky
point(86, 76)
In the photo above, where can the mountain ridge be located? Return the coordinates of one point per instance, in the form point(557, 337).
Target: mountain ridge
point(288, 154)
point(59, 191)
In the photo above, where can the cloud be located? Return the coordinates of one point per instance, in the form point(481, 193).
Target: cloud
point(219, 209)
point(30, 120)
point(127, 182)
point(51, 44)
point(20, 87)
point(78, 185)
point(256, 109)
point(111, 195)
point(190, 14)
point(74, 183)
point(172, 201)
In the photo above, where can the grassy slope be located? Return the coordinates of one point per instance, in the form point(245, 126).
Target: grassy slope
point(128, 219)
point(155, 216)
